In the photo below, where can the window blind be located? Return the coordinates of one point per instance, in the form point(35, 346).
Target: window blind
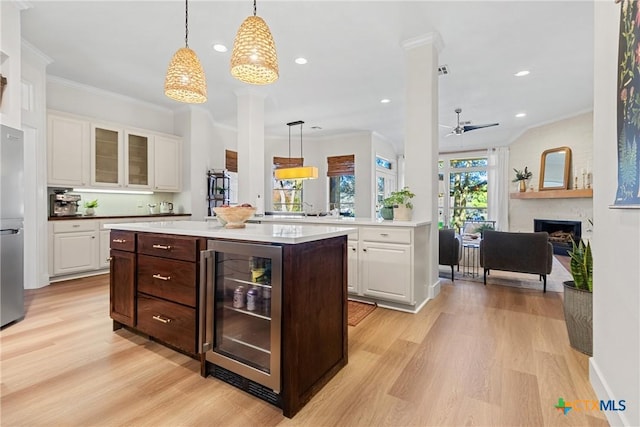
point(231, 160)
point(287, 162)
point(341, 165)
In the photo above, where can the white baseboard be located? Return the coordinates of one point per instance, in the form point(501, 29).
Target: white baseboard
point(603, 392)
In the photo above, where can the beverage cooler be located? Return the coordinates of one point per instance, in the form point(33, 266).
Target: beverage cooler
point(241, 313)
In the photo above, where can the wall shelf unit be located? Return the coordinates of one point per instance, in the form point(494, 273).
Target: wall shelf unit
point(554, 194)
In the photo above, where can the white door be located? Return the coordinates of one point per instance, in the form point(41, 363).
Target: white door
point(167, 163)
point(386, 271)
point(75, 252)
point(67, 151)
point(352, 266)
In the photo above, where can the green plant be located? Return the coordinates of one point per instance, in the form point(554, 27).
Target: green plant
point(522, 175)
point(581, 265)
point(91, 204)
point(400, 197)
point(483, 227)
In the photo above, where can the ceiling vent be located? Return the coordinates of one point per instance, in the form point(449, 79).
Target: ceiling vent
point(443, 70)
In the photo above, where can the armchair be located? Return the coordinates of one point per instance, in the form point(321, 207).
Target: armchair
point(450, 248)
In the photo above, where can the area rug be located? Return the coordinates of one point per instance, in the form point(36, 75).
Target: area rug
point(357, 311)
point(558, 275)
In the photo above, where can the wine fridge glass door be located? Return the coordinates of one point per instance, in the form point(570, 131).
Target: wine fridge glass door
point(245, 310)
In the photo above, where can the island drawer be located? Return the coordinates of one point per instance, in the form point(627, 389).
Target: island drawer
point(166, 278)
point(172, 323)
point(168, 246)
point(123, 240)
point(388, 235)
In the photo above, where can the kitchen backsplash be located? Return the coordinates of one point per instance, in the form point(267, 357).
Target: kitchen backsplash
point(123, 204)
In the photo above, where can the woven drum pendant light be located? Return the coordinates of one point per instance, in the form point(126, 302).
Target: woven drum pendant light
point(254, 59)
point(185, 81)
point(299, 172)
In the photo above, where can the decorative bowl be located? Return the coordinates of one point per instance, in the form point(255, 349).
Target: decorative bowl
point(234, 216)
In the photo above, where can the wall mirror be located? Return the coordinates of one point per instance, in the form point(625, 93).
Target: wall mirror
point(554, 169)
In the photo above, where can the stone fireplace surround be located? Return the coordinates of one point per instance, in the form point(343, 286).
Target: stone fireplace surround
point(560, 233)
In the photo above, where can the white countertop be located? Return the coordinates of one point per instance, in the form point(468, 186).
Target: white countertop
point(322, 220)
point(271, 233)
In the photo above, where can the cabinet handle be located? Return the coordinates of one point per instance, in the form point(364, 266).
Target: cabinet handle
point(76, 225)
point(364, 250)
point(161, 319)
point(353, 249)
point(384, 234)
point(158, 276)
point(109, 258)
point(119, 241)
point(93, 237)
point(165, 247)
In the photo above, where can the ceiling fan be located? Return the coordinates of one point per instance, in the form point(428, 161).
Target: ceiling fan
point(462, 127)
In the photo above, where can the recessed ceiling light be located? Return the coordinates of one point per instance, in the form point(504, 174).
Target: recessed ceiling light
point(385, 101)
point(521, 73)
point(521, 115)
point(301, 61)
point(219, 47)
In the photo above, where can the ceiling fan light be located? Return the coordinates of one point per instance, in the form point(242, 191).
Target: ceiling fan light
point(254, 59)
point(300, 172)
point(185, 80)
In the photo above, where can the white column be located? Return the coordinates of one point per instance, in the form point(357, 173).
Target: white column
point(250, 145)
point(421, 139)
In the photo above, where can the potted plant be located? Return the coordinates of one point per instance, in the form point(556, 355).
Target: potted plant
point(522, 177)
point(578, 298)
point(483, 227)
point(90, 207)
point(386, 211)
point(402, 206)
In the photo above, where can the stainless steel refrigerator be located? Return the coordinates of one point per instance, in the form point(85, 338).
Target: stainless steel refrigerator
point(11, 225)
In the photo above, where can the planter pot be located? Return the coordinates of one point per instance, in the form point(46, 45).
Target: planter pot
point(523, 186)
point(578, 314)
point(402, 213)
point(386, 213)
point(89, 211)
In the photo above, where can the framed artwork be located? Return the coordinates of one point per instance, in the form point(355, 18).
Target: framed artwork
point(628, 109)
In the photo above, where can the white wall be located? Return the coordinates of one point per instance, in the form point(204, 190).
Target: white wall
point(71, 97)
point(10, 63)
point(575, 133)
point(315, 151)
point(615, 365)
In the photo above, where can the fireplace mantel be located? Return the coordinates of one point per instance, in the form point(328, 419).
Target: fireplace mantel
point(554, 194)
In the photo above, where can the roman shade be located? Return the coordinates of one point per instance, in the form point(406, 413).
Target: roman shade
point(287, 162)
point(231, 160)
point(341, 165)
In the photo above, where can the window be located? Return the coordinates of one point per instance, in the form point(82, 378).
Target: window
point(465, 181)
point(287, 194)
point(342, 184)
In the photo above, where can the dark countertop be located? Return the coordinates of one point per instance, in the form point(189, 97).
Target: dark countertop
point(63, 218)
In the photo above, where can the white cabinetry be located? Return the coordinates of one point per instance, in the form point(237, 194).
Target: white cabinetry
point(352, 269)
point(83, 153)
point(106, 156)
point(75, 246)
point(67, 151)
point(386, 263)
point(167, 163)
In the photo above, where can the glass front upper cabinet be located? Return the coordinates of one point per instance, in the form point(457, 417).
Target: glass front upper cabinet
point(105, 156)
point(137, 160)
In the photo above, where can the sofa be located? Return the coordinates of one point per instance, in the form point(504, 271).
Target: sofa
point(450, 249)
point(518, 252)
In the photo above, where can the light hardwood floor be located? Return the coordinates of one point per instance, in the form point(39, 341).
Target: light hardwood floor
point(476, 355)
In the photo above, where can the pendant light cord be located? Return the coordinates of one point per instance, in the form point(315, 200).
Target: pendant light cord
point(289, 146)
point(254, 8)
point(186, 23)
point(301, 156)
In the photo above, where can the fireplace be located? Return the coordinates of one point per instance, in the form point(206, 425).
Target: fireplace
point(560, 233)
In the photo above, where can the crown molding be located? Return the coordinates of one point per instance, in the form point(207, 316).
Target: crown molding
point(432, 38)
point(23, 4)
point(103, 92)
